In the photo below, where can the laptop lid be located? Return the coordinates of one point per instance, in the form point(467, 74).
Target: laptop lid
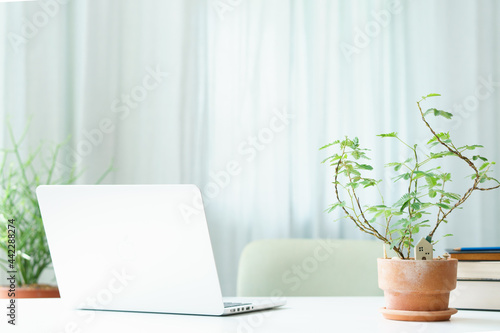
point(131, 247)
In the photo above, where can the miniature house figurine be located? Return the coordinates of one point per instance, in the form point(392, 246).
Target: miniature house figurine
point(423, 250)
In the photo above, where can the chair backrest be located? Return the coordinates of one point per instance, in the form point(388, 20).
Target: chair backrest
point(309, 267)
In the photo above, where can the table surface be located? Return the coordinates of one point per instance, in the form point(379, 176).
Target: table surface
point(301, 314)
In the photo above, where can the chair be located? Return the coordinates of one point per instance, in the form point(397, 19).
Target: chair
point(309, 267)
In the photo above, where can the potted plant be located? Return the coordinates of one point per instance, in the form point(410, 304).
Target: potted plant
point(22, 236)
point(413, 289)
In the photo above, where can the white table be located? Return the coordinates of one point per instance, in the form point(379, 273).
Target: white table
point(301, 314)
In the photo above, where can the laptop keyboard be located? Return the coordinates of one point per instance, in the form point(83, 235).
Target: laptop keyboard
point(231, 304)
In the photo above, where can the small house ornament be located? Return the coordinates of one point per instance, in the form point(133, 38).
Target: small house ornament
point(423, 250)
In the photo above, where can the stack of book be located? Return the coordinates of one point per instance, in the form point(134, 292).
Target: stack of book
point(478, 279)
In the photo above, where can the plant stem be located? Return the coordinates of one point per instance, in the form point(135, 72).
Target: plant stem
point(364, 225)
point(468, 193)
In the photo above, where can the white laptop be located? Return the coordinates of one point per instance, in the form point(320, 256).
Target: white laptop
point(139, 248)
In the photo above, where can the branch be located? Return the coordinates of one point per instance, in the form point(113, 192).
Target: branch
point(487, 189)
point(454, 151)
point(363, 227)
point(468, 193)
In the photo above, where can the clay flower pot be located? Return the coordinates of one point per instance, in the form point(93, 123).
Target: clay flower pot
point(417, 290)
point(33, 291)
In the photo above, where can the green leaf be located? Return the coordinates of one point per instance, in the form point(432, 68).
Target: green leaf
point(395, 179)
point(346, 143)
point(330, 144)
point(431, 181)
point(472, 147)
point(405, 198)
point(331, 158)
point(335, 205)
point(484, 166)
point(441, 154)
point(430, 95)
point(415, 206)
point(433, 139)
point(399, 222)
point(368, 182)
point(355, 172)
point(483, 178)
point(446, 177)
point(454, 196)
point(353, 185)
point(440, 113)
point(428, 112)
point(443, 206)
point(445, 137)
point(364, 166)
point(404, 205)
point(389, 135)
point(356, 154)
point(419, 174)
point(476, 157)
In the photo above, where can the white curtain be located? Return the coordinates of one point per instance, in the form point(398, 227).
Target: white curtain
point(237, 96)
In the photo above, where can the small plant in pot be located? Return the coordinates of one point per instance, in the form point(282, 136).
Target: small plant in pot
point(25, 250)
point(415, 288)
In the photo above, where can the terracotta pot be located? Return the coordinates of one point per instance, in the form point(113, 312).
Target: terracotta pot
point(419, 286)
point(33, 291)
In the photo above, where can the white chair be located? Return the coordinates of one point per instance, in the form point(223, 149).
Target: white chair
point(309, 267)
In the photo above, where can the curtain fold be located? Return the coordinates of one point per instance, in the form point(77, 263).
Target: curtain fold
point(237, 97)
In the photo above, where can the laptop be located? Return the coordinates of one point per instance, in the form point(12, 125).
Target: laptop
point(143, 248)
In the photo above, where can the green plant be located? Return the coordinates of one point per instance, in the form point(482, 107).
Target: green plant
point(426, 192)
point(18, 180)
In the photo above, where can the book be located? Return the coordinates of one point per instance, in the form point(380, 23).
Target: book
point(481, 248)
point(478, 270)
point(476, 295)
point(475, 255)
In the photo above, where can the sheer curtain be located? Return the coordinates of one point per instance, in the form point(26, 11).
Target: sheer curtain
point(237, 97)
